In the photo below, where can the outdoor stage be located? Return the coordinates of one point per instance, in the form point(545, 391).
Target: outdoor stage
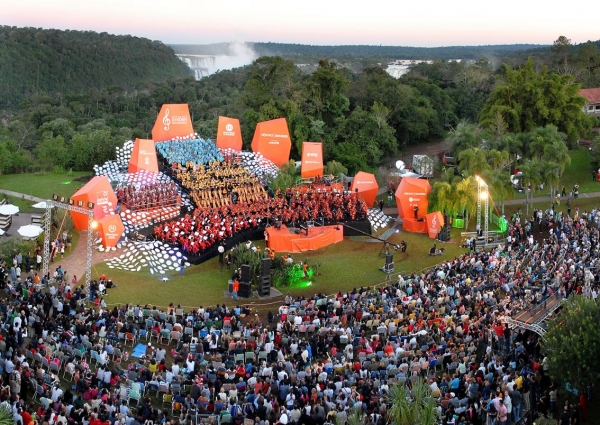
point(284, 240)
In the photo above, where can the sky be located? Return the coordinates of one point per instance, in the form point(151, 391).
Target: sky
point(326, 22)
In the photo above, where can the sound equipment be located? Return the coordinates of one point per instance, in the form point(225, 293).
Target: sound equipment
point(389, 264)
point(421, 219)
point(230, 285)
point(266, 267)
point(245, 290)
point(264, 286)
point(245, 277)
point(389, 259)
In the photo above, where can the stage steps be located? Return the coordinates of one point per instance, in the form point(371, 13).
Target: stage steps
point(140, 220)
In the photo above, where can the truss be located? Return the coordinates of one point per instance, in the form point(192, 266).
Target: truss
point(90, 235)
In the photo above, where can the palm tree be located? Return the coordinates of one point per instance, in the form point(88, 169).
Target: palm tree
point(532, 177)
point(414, 405)
point(463, 137)
point(498, 181)
point(6, 414)
point(474, 161)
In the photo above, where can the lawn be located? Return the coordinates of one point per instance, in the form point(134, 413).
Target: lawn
point(43, 185)
point(342, 267)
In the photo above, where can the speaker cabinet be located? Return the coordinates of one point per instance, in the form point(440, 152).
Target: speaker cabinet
point(245, 290)
point(389, 259)
point(245, 275)
point(266, 267)
point(264, 286)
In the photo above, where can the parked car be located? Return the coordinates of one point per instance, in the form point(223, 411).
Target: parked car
point(448, 159)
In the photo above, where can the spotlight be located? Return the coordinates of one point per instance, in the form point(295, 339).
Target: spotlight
point(94, 224)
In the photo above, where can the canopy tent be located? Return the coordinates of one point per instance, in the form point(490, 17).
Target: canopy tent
point(312, 160)
point(272, 140)
point(435, 222)
point(366, 185)
point(173, 121)
point(229, 135)
point(143, 157)
point(412, 193)
point(99, 191)
point(110, 229)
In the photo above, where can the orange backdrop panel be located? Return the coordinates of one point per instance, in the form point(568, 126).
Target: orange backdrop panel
point(414, 226)
point(435, 222)
point(272, 140)
point(99, 191)
point(229, 135)
point(173, 121)
point(312, 159)
point(411, 192)
point(283, 241)
point(143, 157)
point(367, 187)
point(110, 229)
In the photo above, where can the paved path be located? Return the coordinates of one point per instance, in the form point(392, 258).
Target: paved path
point(22, 195)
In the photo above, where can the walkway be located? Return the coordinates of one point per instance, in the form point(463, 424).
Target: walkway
point(22, 196)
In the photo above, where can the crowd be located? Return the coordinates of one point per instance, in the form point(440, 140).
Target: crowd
point(153, 195)
point(220, 184)
point(313, 361)
point(189, 153)
point(206, 226)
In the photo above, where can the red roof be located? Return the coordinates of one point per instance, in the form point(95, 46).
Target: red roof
point(592, 95)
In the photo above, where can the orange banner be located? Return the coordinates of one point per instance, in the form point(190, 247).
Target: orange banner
point(312, 160)
point(366, 185)
point(110, 230)
point(283, 240)
point(411, 197)
point(414, 226)
point(99, 191)
point(272, 140)
point(435, 222)
point(143, 157)
point(229, 135)
point(173, 121)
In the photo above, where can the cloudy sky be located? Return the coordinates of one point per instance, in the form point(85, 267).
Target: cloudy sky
point(324, 22)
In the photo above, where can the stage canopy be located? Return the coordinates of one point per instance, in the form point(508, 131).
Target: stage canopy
point(99, 191)
point(229, 135)
point(312, 159)
point(367, 187)
point(410, 193)
point(110, 230)
point(143, 157)
point(272, 140)
point(173, 121)
point(435, 222)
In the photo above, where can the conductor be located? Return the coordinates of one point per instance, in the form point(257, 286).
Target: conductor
point(416, 212)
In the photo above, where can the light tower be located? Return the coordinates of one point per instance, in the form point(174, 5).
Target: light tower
point(483, 195)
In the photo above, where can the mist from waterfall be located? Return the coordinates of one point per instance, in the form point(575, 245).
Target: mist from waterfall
point(232, 55)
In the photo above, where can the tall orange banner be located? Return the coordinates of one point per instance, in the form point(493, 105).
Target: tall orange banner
point(272, 140)
point(229, 135)
point(435, 222)
point(98, 191)
point(411, 198)
point(365, 185)
point(173, 121)
point(312, 159)
point(143, 157)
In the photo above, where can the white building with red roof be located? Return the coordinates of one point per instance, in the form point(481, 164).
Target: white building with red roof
point(592, 97)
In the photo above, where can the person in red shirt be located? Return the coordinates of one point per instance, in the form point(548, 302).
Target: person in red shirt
point(27, 420)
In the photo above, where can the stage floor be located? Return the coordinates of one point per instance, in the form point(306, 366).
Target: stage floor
point(286, 240)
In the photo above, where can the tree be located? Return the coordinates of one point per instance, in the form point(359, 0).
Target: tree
point(412, 405)
point(562, 48)
point(571, 343)
point(463, 137)
point(530, 99)
point(473, 161)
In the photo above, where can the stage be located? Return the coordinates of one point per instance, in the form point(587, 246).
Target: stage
point(285, 240)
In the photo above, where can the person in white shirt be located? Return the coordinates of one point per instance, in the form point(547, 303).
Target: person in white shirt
point(57, 392)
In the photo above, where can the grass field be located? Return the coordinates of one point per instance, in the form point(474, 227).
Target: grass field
point(343, 266)
point(43, 185)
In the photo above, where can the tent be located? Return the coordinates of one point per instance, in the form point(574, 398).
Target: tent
point(412, 193)
point(272, 140)
point(435, 222)
point(229, 135)
point(173, 121)
point(312, 159)
point(367, 186)
point(143, 157)
point(99, 191)
point(110, 229)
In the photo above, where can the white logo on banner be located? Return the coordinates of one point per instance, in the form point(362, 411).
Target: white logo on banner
point(166, 121)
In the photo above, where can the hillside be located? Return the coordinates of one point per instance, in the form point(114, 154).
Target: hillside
point(34, 60)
